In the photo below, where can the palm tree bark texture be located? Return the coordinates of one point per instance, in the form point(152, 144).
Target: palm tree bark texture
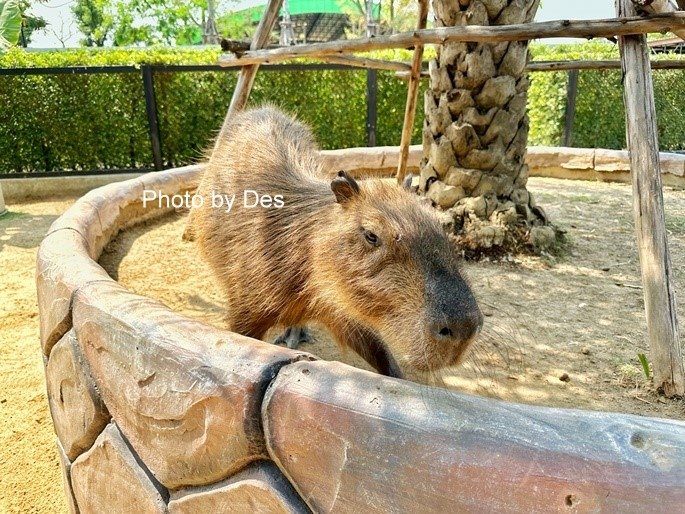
point(476, 131)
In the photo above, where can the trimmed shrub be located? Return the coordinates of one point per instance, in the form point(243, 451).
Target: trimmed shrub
point(599, 120)
point(99, 121)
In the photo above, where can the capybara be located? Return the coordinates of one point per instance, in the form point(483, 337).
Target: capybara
point(366, 258)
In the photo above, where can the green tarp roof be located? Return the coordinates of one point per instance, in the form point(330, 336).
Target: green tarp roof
point(308, 6)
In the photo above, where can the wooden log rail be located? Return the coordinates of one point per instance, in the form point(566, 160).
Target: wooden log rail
point(543, 66)
point(587, 29)
point(660, 7)
point(599, 65)
point(368, 63)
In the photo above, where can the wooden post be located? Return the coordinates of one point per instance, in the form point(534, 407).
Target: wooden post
point(570, 114)
point(648, 203)
point(247, 73)
point(371, 106)
point(152, 120)
point(412, 93)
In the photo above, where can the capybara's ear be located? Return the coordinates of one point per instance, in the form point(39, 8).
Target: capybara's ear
point(344, 187)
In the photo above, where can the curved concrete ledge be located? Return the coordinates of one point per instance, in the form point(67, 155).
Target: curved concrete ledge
point(543, 161)
point(160, 411)
point(598, 164)
point(381, 161)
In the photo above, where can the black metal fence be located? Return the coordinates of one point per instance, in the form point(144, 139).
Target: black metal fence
point(147, 73)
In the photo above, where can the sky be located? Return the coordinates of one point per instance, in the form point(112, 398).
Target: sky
point(62, 30)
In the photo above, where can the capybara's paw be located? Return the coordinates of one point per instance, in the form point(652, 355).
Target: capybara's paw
point(294, 337)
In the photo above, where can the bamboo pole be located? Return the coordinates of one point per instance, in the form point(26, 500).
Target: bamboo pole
point(412, 93)
point(247, 74)
point(648, 205)
point(521, 32)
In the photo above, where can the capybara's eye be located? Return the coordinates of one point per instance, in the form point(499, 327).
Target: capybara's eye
point(371, 238)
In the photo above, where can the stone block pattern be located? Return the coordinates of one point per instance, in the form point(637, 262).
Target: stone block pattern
point(107, 478)
point(155, 412)
point(78, 413)
point(258, 488)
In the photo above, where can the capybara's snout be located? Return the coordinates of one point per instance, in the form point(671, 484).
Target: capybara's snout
point(454, 319)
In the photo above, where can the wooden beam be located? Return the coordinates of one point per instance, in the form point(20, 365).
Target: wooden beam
point(536, 66)
point(364, 62)
point(659, 7)
point(599, 65)
point(473, 33)
point(412, 93)
point(655, 261)
point(247, 75)
point(238, 48)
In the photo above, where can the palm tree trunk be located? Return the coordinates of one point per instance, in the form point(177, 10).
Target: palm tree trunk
point(476, 131)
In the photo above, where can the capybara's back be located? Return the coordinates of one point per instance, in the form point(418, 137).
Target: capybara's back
point(366, 259)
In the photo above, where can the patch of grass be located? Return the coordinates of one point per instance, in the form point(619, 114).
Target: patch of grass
point(675, 224)
point(13, 215)
point(645, 364)
point(631, 376)
point(584, 199)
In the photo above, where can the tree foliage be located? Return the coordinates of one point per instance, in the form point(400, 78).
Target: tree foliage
point(10, 23)
point(16, 25)
point(94, 19)
point(149, 22)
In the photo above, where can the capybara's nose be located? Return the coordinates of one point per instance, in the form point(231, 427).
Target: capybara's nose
point(459, 329)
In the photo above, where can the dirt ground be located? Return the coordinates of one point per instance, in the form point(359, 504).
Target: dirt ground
point(578, 317)
point(30, 478)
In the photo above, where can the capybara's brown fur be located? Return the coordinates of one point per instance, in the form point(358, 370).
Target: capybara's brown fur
point(365, 259)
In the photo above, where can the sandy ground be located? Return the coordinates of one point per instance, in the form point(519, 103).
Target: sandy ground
point(580, 315)
point(562, 332)
point(30, 478)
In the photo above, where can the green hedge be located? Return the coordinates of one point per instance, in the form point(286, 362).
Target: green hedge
point(86, 122)
point(599, 118)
